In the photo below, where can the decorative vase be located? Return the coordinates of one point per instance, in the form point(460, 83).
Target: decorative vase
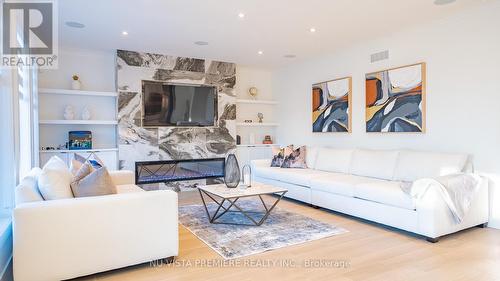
point(85, 113)
point(252, 138)
point(76, 85)
point(69, 112)
point(247, 175)
point(232, 171)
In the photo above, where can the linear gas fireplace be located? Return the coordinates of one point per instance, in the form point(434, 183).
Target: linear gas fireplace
point(147, 172)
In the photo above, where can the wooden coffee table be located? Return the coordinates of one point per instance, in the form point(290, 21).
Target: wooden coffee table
point(220, 194)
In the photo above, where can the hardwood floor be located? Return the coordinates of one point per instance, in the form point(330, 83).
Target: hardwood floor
point(373, 253)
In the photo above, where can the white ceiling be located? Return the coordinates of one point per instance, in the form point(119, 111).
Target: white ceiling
point(277, 27)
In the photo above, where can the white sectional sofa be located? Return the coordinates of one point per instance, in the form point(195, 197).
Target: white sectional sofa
point(68, 238)
point(367, 184)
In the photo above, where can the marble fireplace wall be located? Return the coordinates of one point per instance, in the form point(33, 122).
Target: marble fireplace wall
point(166, 143)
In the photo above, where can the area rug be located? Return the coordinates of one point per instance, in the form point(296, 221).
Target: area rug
point(282, 228)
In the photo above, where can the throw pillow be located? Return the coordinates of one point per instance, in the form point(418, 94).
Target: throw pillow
point(89, 181)
point(295, 159)
point(78, 160)
point(279, 155)
point(55, 179)
point(27, 190)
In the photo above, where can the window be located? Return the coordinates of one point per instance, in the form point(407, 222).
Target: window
point(18, 131)
point(8, 171)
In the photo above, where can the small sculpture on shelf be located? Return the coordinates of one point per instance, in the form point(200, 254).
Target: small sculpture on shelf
point(69, 112)
point(76, 84)
point(253, 92)
point(85, 113)
point(267, 140)
point(260, 116)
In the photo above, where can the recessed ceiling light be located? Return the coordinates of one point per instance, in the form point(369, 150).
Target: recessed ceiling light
point(312, 29)
point(75, 24)
point(241, 15)
point(201, 43)
point(443, 2)
point(260, 52)
point(290, 56)
point(124, 33)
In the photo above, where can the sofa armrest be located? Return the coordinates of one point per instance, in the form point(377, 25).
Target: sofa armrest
point(122, 177)
point(260, 163)
point(435, 218)
point(63, 239)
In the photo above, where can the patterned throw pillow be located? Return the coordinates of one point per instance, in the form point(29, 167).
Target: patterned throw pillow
point(78, 160)
point(89, 181)
point(279, 155)
point(295, 159)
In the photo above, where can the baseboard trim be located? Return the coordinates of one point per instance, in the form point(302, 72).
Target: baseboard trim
point(495, 225)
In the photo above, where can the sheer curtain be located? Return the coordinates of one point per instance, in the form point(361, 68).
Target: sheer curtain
point(18, 131)
point(8, 167)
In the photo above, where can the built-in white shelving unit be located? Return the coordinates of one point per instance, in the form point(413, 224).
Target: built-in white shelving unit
point(78, 122)
point(76, 92)
point(80, 150)
point(271, 102)
point(257, 145)
point(257, 124)
point(54, 129)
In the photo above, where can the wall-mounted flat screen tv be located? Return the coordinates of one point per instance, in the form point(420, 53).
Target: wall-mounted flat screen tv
point(166, 105)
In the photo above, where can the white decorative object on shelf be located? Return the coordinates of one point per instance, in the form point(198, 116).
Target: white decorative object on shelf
point(253, 92)
point(85, 113)
point(252, 138)
point(69, 112)
point(76, 84)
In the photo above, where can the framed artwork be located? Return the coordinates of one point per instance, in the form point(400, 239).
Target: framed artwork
point(331, 106)
point(395, 100)
point(79, 140)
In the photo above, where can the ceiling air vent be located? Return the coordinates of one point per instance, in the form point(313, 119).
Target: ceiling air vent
point(379, 56)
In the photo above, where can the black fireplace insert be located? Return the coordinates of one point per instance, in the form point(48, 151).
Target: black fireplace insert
point(147, 172)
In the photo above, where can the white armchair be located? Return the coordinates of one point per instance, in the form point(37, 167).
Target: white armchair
point(68, 238)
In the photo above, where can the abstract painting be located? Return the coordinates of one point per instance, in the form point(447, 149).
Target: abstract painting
point(395, 100)
point(331, 106)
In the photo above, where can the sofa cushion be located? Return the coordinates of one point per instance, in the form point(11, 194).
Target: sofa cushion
point(413, 165)
point(374, 163)
point(27, 190)
point(128, 188)
point(54, 180)
point(311, 153)
point(338, 183)
point(333, 160)
point(385, 192)
point(296, 158)
point(89, 181)
point(294, 176)
point(279, 154)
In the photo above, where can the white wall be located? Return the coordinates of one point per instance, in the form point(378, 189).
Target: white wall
point(462, 54)
point(247, 77)
point(95, 68)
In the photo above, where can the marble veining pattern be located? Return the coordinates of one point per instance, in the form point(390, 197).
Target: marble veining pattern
point(165, 143)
